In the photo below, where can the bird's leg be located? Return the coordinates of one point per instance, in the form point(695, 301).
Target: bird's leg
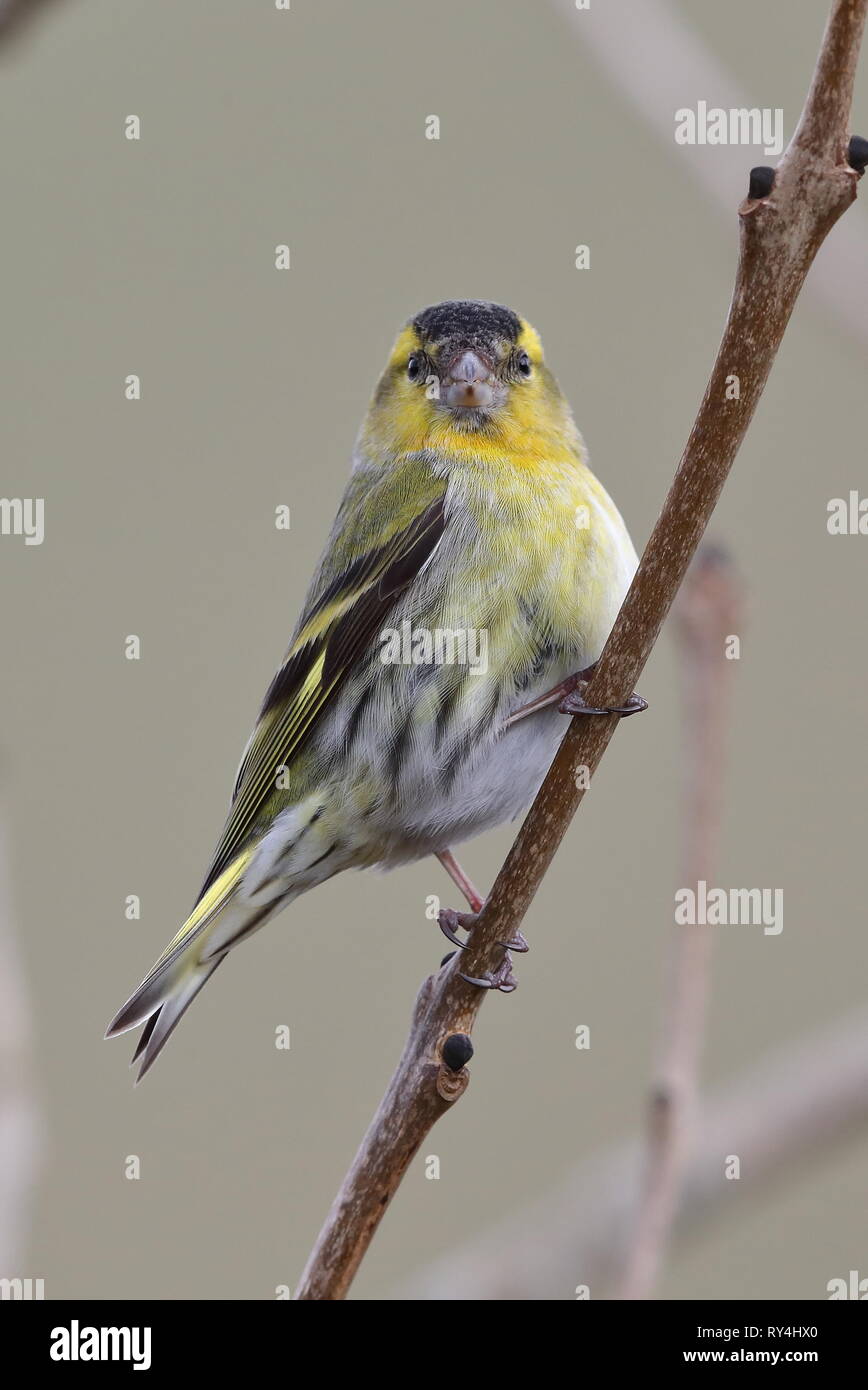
point(460, 879)
point(450, 921)
point(569, 698)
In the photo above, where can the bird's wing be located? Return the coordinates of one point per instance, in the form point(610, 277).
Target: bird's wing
point(347, 606)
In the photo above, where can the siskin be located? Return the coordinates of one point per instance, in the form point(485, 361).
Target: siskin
point(474, 564)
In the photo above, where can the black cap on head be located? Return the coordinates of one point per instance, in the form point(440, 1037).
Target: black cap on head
point(473, 323)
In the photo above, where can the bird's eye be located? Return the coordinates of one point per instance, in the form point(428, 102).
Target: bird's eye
point(414, 366)
point(524, 364)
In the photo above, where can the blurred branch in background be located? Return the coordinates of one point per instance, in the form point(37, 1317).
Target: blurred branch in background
point(794, 1107)
point(20, 1127)
point(657, 61)
point(783, 223)
point(16, 14)
point(708, 611)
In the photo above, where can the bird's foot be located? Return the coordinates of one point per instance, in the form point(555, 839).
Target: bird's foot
point(517, 944)
point(568, 695)
point(573, 699)
point(449, 921)
point(502, 978)
point(574, 703)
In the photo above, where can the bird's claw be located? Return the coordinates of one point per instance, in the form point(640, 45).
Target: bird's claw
point(449, 921)
point(574, 703)
point(502, 978)
point(506, 983)
point(517, 944)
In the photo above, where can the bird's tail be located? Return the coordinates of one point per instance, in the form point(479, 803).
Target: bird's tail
point(217, 922)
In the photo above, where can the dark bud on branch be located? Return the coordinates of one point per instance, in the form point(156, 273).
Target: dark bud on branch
point(857, 153)
point(457, 1051)
point(762, 181)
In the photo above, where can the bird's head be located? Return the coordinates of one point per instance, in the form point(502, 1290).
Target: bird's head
point(466, 372)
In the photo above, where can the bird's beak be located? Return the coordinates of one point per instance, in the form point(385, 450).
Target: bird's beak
point(469, 383)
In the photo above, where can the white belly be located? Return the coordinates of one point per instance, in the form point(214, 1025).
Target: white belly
point(496, 783)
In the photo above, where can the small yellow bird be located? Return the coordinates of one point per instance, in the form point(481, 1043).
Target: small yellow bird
point(474, 566)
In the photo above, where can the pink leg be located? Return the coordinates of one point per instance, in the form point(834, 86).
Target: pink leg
point(502, 978)
point(569, 697)
point(551, 697)
point(460, 879)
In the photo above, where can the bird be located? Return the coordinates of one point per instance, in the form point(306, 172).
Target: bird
point(471, 577)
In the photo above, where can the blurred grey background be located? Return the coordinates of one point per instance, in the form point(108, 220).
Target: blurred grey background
point(156, 257)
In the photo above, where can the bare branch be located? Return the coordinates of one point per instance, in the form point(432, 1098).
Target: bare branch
point(648, 74)
point(16, 15)
point(790, 1109)
point(20, 1121)
point(780, 236)
point(708, 611)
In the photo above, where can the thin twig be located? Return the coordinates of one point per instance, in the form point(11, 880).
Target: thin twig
point(795, 1106)
point(780, 236)
point(648, 73)
point(707, 612)
point(20, 1119)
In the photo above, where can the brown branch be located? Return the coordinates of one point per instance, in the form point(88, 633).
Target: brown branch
point(647, 76)
point(708, 611)
point(794, 1107)
point(780, 236)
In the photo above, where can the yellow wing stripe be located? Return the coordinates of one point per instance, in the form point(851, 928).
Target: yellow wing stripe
point(282, 738)
point(208, 906)
point(282, 729)
point(287, 729)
